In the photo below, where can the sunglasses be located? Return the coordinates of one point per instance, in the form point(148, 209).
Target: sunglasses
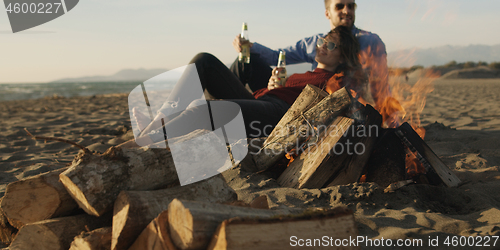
point(329, 45)
point(341, 6)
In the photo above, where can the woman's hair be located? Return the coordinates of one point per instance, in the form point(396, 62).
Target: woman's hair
point(349, 73)
point(348, 46)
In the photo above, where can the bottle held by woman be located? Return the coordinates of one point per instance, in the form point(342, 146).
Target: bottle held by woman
point(280, 70)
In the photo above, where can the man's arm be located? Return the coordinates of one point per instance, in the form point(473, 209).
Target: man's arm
point(302, 52)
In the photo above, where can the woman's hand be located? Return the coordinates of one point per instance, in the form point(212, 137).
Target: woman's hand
point(238, 41)
point(274, 81)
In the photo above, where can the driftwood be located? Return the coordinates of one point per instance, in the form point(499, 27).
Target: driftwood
point(284, 233)
point(156, 236)
point(58, 233)
point(290, 133)
point(426, 156)
point(95, 181)
point(133, 210)
point(99, 239)
point(37, 198)
point(192, 224)
point(312, 168)
point(7, 231)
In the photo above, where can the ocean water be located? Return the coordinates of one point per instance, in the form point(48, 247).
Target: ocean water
point(39, 90)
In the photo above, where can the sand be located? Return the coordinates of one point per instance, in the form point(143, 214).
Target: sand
point(462, 118)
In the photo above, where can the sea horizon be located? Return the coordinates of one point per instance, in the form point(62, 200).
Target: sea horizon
point(26, 91)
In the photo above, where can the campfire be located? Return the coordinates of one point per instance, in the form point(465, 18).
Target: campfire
point(332, 139)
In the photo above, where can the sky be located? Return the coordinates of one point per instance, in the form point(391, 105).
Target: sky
point(101, 37)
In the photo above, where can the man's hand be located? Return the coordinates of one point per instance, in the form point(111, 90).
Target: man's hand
point(238, 41)
point(274, 81)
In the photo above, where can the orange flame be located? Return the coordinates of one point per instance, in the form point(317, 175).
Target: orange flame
point(413, 166)
point(398, 101)
point(395, 100)
point(291, 156)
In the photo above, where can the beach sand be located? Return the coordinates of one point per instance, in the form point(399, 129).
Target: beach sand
point(462, 118)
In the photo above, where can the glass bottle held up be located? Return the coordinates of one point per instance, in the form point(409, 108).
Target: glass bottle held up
point(244, 55)
point(281, 69)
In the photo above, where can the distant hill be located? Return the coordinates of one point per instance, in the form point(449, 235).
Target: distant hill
point(472, 73)
point(444, 54)
point(125, 75)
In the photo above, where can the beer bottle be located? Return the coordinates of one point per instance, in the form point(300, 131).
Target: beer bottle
point(244, 55)
point(281, 69)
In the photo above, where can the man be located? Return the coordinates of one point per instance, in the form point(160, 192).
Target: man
point(339, 13)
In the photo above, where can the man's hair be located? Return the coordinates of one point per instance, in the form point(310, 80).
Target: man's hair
point(327, 3)
point(348, 46)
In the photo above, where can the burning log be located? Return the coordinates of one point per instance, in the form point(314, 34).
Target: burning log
point(133, 210)
point(58, 233)
point(277, 233)
point(156, 236)
point(192, 224)
point(312, 168)
point(37, 198)
point(307, 112)
point(387, 162)
point(358, 144)
point(99, 239)
point(426, 156)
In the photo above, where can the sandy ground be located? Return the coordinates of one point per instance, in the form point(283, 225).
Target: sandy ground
point(466, 137)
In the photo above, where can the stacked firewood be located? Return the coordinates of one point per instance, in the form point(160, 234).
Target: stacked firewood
point(334, 140)
point(105, 201)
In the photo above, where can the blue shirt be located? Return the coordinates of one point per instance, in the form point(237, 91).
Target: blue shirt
point(305, 49)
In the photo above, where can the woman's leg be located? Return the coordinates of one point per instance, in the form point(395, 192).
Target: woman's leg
point(218, 80)
point(256, 74)
point(210, 74)
point(259, 117)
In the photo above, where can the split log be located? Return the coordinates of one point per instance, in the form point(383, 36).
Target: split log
point(192, 224)
point(310, 107)
point(156, 236)
point(37, 198)
point(312, 168)
point(99, 239)
point(7, 231)
point(284, 233)
point(58, 233)
point(133, 210)
point(358, 147)
point(426, 156)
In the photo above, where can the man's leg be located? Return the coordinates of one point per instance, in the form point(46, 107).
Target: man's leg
point(256, 74)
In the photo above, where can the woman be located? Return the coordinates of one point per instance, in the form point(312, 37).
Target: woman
point(336, 53)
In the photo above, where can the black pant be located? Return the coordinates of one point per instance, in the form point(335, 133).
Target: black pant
point(256, 73)
point(259, 115)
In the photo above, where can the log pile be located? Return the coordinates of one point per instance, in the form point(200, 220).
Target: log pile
point(132, 198)
point(334, 140)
